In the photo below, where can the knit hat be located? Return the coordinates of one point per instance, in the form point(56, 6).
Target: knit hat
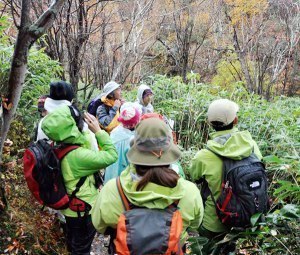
point(147, 92)
point(153, 144)
point(109, 87)
point(61, 93)
point(222, 110)
point(130, 115)
point(61, 90)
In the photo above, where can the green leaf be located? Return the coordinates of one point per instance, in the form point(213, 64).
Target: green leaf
point(197, 244)
point(291, 211)
point(254, 219)
point(272, 159)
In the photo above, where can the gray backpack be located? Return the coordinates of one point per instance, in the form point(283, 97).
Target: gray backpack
point(143, 231)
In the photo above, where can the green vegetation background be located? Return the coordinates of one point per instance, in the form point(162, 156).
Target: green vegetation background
point(275, 125)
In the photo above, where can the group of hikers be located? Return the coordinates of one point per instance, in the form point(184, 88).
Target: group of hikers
point(145, 204)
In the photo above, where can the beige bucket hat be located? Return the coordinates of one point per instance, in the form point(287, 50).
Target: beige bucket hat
point(153, 144)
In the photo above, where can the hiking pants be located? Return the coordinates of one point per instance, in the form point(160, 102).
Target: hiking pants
point(80, 234)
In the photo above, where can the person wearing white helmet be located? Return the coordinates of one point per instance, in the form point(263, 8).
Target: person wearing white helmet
point(108, 111)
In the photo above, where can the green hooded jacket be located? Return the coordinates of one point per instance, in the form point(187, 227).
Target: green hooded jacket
point(109, 207)
point(60, 126)
point(208, 165)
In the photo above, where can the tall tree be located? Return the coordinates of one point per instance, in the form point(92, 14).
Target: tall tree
point(28, 33)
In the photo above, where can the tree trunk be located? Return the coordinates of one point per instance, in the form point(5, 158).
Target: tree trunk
point(243, 61)
point(28, 34)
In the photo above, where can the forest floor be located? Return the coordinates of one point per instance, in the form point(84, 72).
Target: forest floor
point(27, 229)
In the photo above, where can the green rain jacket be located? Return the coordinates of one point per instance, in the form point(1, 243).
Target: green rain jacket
point(60, 126)
point(109, 207)
point(208, 165)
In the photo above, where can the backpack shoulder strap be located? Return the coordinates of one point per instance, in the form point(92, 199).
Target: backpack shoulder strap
point(78, 185)
point(174, 205)
point(122, 195)
point(61, 152)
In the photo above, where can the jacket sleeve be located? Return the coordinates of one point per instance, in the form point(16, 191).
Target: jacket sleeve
point(105, 213)
point(105, 118)
point(86, 162)
point(191, 208)
point(198, 210)
point(197, 167)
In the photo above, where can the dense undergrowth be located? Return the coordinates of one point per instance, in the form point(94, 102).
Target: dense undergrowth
point(24, 227)
point(274, 125)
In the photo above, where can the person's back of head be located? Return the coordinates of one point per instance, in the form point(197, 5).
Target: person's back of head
point(61, 90)
point(222, 114)
point(61, 93)
point(152, 152)
point(130, 115)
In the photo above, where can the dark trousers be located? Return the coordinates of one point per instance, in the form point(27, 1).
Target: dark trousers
point(80, 234)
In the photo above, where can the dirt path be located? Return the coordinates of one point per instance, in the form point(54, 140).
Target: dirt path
point(99, 245)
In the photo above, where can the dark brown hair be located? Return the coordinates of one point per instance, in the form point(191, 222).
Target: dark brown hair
point(219, 126)
point(160, 175)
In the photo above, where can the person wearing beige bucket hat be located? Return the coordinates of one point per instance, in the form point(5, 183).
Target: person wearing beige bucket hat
point(225, 142)
point(148, 182)
point(153, 146)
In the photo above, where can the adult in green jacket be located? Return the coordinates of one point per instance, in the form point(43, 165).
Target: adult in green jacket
point(148, 181)
point(61, 127)
point(226, 141)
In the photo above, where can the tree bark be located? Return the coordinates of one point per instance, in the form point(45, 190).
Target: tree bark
point(27, 35)
point(242, 58)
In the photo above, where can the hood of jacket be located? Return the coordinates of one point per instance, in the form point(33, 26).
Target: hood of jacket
point(153, 195)
point(141, 90)
point(120, 134)
point(60, 126)
point(233, 144)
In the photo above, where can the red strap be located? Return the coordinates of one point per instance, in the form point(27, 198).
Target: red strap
point(227, 199)
point(122, 195)
point(226, 217)
point(60, 153)
point(174, 204)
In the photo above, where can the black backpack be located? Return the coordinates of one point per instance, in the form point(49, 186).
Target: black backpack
point(93, 105)
point(44, 178)
point(244, 191)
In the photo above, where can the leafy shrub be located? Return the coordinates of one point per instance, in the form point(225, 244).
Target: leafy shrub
point(275, 127)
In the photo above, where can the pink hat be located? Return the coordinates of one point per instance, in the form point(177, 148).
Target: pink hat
point(129, 116)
